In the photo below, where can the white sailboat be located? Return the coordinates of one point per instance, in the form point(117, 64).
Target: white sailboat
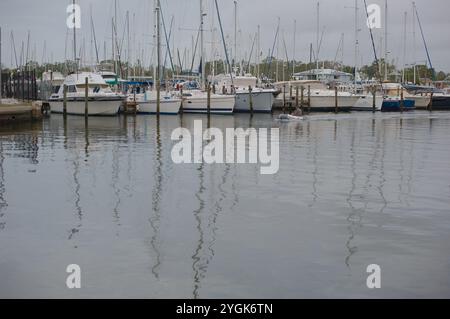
point(101, 99)
point(196, 100)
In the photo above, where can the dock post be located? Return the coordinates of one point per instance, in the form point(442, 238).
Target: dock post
point(28, 86)
point(23, 85)
point(430, 106)
point(86, 97)
point(296, 97)
point(181, 107)
point(402, 102)
point(250, 98)
point(374, 101)
point(302, 102)
point(208, 102)
point(284, 98)
point(309, 99)
point(290, 95)
point(65, 100)
point(336, 107)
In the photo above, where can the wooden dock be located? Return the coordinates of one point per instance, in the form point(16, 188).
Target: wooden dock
point(21, 112)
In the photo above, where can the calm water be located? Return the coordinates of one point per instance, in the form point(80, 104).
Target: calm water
point(352, 190)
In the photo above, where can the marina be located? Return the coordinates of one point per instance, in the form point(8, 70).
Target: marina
point(224, 149)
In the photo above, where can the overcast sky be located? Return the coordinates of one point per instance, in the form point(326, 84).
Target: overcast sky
point(46, 20)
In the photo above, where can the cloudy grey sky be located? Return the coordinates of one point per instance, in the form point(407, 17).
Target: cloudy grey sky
point(46, 20)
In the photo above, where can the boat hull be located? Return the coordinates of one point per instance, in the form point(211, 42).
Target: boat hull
point(262, 102)
point(219, 104)
point(95, 107)
point(169, 107)
point(441, 103)
point(328, 103)
point(394, 105)
point(365, 103)
point(420, 102)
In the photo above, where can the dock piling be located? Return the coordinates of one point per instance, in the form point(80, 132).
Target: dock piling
point(430, 106)
point(181, 94)
point(65, 100)
point(402, 101)
point(250, 98)
point(302, 103)
point(336, 106)
point(86, 97)
point(309, 99)
point(374, 102)
point(208, 102)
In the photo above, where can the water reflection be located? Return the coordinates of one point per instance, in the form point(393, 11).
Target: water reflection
point(155, 219)
point(354, 218)
point(206, 224)
point(115, 185)
point(77, 200)
point(3, 202)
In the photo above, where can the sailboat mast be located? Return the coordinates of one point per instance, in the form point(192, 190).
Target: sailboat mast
point(235, 34)
point(128, 44)
point(386, 41)
point(258, 62)
point(158, 58)
point(1, 83)
point(74, 39)
point(414, 43)
point(317, 36)
point(404, 47)
point(202, 53)
point(293, 53)
point(356, 43)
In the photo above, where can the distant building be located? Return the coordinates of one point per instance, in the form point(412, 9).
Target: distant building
point(324, 75)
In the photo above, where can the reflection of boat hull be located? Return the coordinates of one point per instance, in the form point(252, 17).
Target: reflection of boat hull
point(262, 102)
point(220, 104)
point(106, 107)
point(168, 106)
point(441, 102)
point(365, 103)
point(394, 105)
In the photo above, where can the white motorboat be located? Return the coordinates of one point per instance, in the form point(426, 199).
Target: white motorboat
point(196, 101)
point(322, 98)
point(262, 99)
point(169, 105)
point(101, 100)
